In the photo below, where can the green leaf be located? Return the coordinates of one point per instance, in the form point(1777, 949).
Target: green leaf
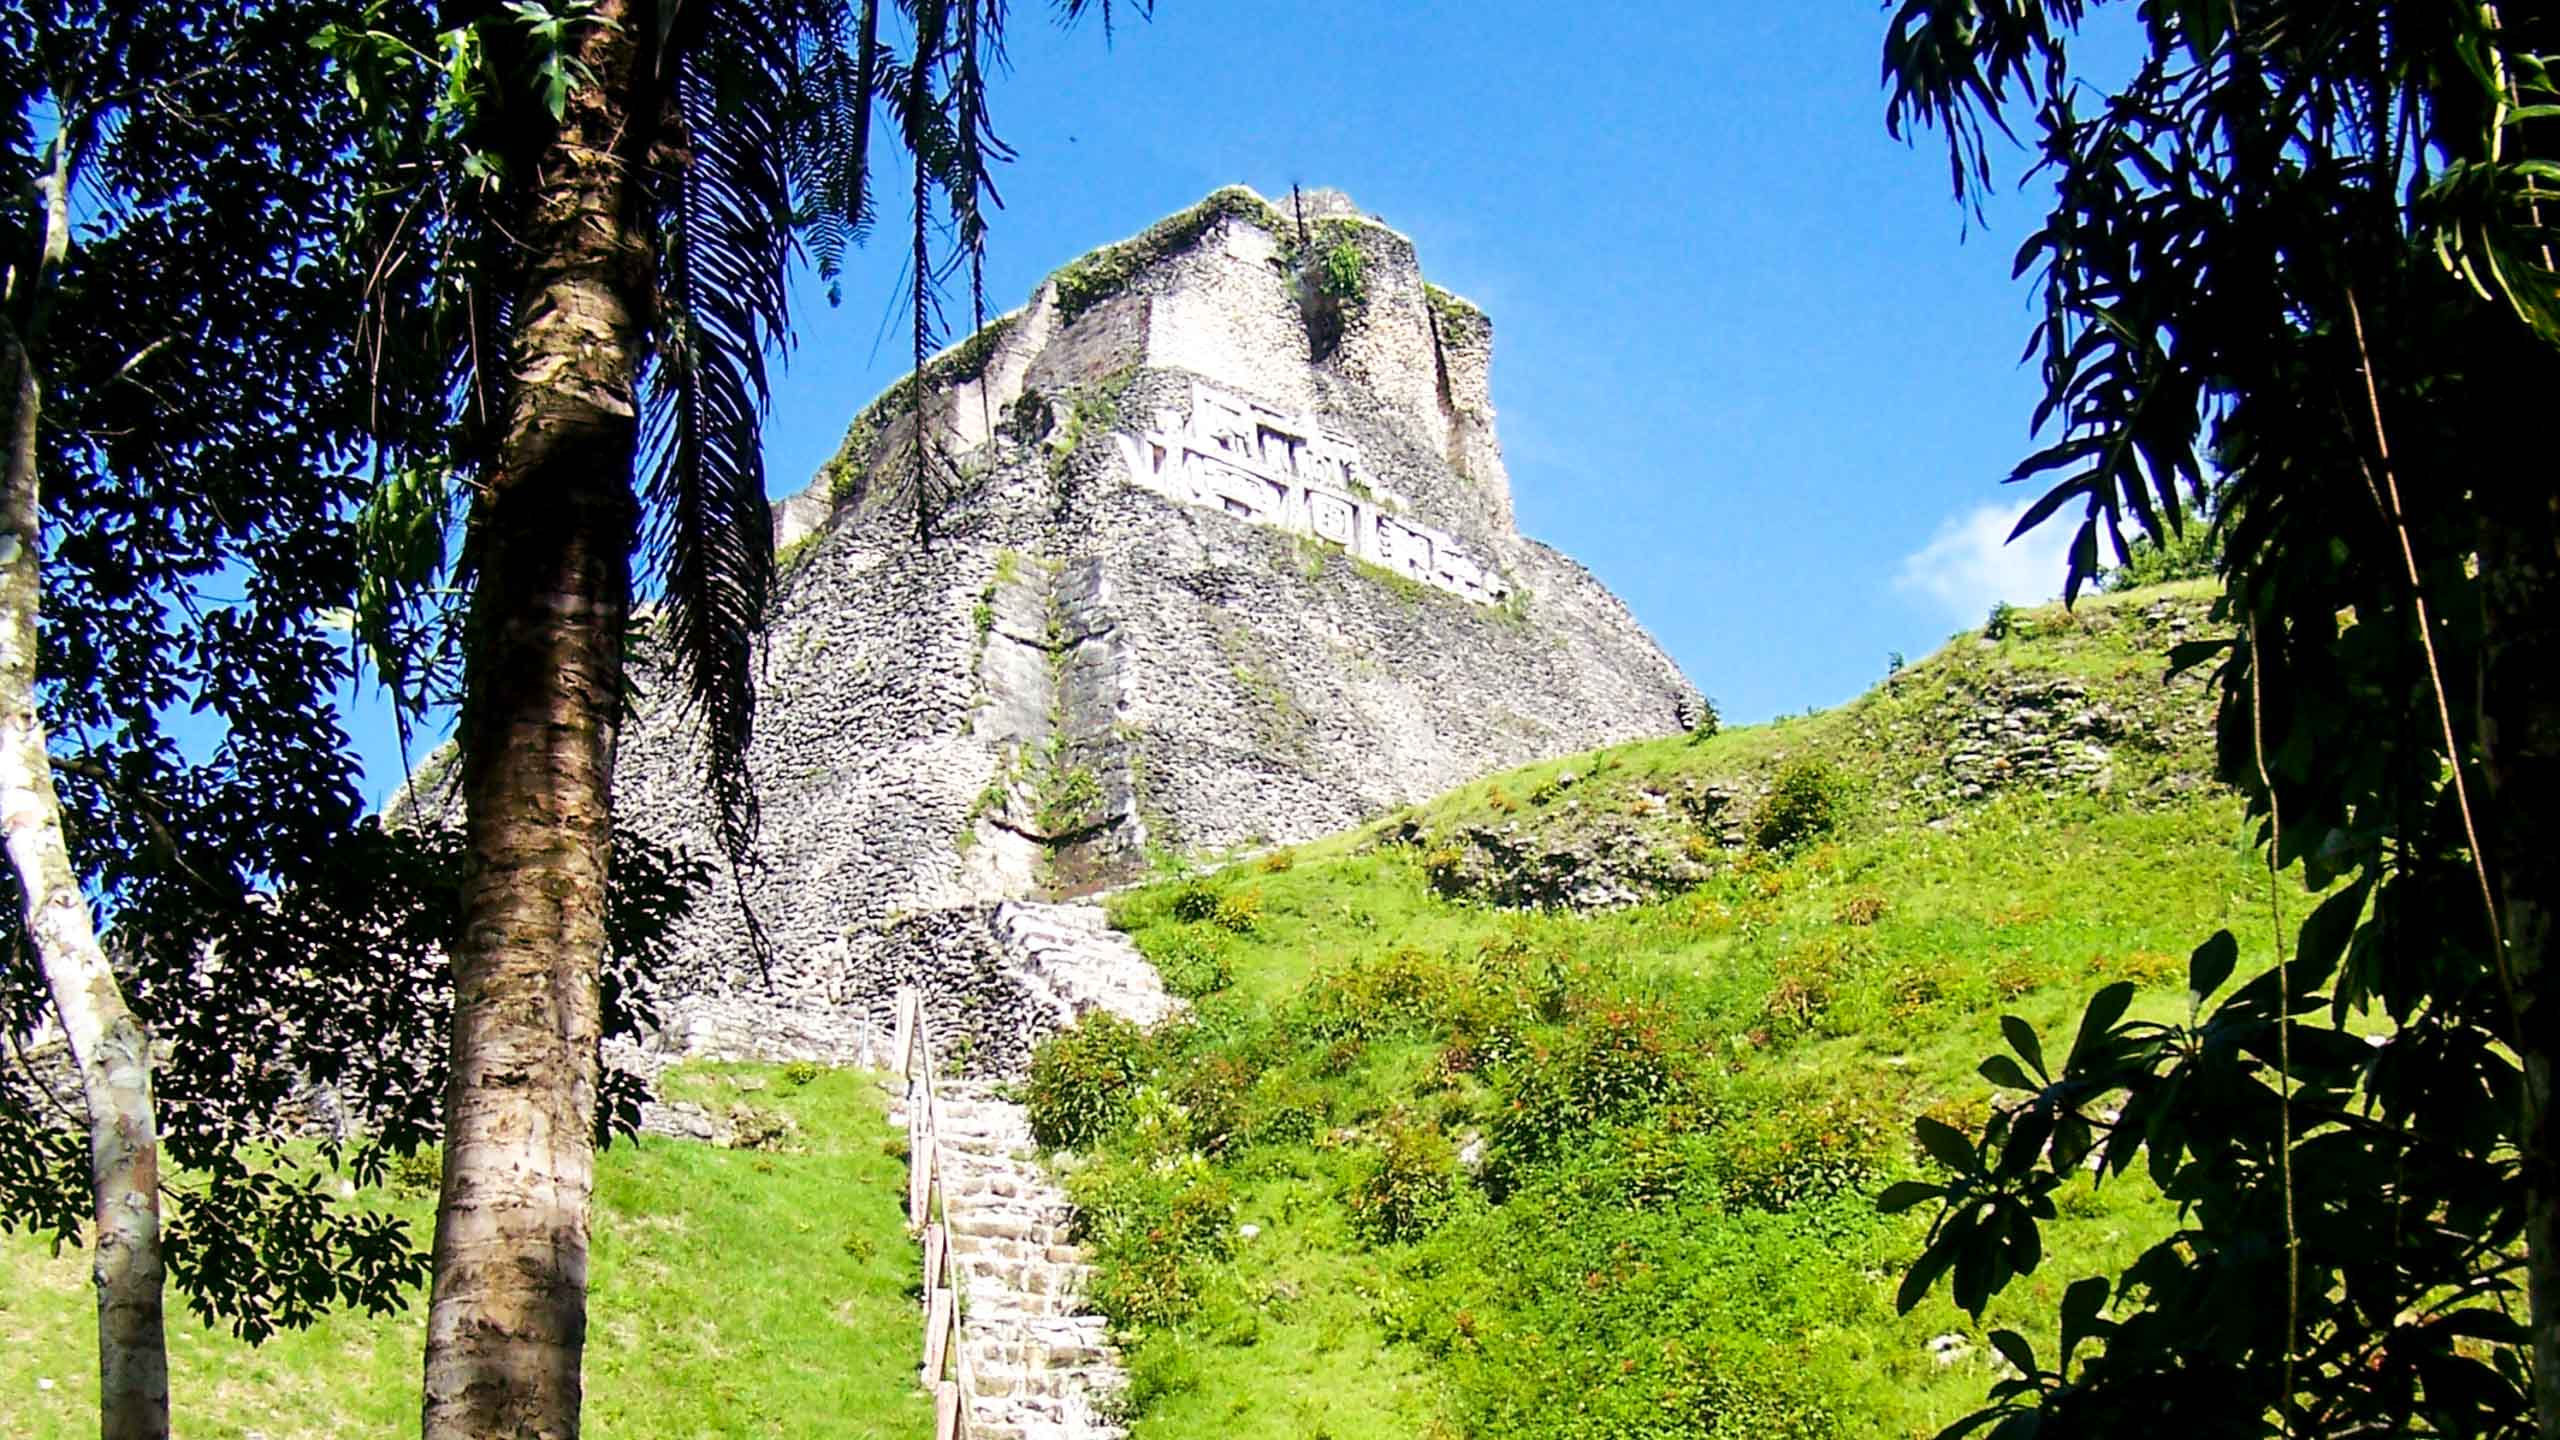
point(2080, 1306)
point(2003, 1071)
point(1904, 1194)
point(2209, 966)
point(2013, 1347)
point(2324, 936)
point(2105, 1009)
point(2022, 1038)
point(1945, 1144)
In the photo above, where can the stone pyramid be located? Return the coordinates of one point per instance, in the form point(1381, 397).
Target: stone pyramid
point(1216, 551)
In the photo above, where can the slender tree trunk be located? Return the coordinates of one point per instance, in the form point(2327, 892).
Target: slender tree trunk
point(2520, 713)
point(107, 1041)
point(551, 537)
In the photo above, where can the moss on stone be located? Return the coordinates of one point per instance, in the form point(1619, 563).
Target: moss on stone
point(1454, 317)
point(958, 365)
point(1087, 282)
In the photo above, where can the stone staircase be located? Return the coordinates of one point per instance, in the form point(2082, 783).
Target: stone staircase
point(1069, 957)
point(1029, 1363)
point(1040, 1369)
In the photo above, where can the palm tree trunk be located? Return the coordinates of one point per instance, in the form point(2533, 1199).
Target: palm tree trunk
point(551, 538)
point(107, 1041)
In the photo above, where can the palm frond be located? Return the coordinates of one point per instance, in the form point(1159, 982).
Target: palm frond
point(727, 225)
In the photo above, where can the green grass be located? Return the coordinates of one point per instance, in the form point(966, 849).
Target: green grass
point(734, 1293)
point(1685, 1106)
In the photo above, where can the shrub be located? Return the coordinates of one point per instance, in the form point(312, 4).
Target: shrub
point(1810, 978)
point(420, 1172)
point(1081, 1079)
point(1342, 275)
point(800, 1072)
point(2002, 621)
point(753, 1127)
point(1444, 869)
point(1403, 991)
point(1704, 721)
point(1153, 1227)
point(1863, 908)
point(1200, 902)
point(1616, 1062)
point(1804, 804)
point(1195, 902)
point(1404, 1182)
point(1282, 1110)
point(1279, 862)
point(1211, 1091)
point(1238, 914)
point(1192, 963)
point(1794, 1150)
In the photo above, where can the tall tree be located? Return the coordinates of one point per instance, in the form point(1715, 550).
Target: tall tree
point(2308, 247)
point(590, 212)
point(183, 510)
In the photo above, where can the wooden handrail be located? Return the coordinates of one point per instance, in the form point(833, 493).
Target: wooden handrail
point(946, 1369)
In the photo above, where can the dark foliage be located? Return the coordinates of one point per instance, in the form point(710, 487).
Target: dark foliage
point(2298, 250)
point(203, 463)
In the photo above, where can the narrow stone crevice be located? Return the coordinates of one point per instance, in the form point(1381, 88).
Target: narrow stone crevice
point(1053, 676)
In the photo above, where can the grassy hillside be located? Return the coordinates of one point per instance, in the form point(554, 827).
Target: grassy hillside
point(1427, 1163)
point(1552, 1108)
point(735, 1293)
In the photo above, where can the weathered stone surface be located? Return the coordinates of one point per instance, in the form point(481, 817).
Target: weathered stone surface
point(1216, 557)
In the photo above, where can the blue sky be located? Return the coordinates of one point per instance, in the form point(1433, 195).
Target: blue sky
point(1750, 368)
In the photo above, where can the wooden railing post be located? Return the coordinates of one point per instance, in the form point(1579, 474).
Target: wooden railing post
point(946, 1371)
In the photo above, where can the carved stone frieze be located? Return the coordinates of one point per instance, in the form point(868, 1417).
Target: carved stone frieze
point(1289, 472)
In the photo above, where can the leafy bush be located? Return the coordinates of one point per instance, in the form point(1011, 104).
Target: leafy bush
point(1195, 902)
point(2002, 622)
point(1444, 869)
point(420, 1172)
point(1400, 992)
point(1282, 1110)
point(1200, 902)
point(1192, 962)
point(1211, 1091)
point(800, 1072)
point(752, 1127)
point(1864, 908)
point(1405, 1181)
point(1559, 1319)
point(1238, 914)
point(1704, 722)
point(1810, 977)
point(1618, 1061)
point(1081, 1079)
point(1804, 804)
point(2192, 554)
point(1795, 1150)
point(1153, 1225)
point(1342, 274)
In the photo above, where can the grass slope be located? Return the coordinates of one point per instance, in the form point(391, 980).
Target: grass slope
point(734, 1293)
point(1423, 1165)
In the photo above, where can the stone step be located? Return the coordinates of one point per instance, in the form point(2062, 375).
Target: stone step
point(1040, 1366)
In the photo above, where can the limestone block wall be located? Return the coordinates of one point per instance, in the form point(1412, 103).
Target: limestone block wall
point(1313, 607)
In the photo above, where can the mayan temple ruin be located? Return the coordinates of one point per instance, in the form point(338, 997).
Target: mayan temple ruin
point(1214, 550)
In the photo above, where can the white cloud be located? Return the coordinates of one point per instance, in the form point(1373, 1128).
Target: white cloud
point(1971, 564)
